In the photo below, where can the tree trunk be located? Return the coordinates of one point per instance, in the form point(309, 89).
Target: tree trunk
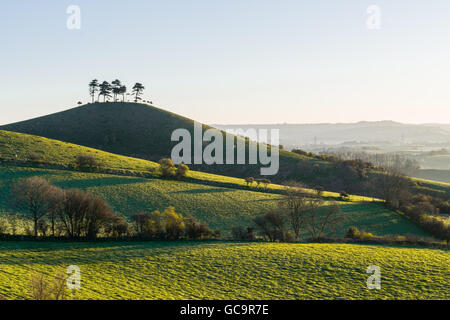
point(36, 228)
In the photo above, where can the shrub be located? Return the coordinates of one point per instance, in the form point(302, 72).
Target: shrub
point(117, 226)
point(182, 171)
point(34, 157)
point(87, 162)
point(197, 230)
point(241, 233)
point(272, 225)
point(319, 191)
point(344, 195)
point(42, 288)
point(168, 168)
point(249, 181)
point(353, 233)
point(174, 224)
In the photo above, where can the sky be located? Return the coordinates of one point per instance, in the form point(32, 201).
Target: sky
point(233, 61)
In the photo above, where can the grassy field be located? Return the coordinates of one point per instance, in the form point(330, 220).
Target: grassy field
point(20, 146)
point(435, 175)
point(222, 208)
point(164, 270)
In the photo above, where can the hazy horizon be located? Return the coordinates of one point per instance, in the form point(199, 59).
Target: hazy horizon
point(234, 62)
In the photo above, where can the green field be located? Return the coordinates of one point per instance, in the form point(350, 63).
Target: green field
point(221, 208)
point(435, 175)
point(164, 270)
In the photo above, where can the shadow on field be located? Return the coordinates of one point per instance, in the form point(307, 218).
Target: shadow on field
point(49, 253)
point(99, 182)
point(266, 200)
point(206, 190)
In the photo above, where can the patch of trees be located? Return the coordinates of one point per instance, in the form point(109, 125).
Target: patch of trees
point(77, 214)
point(88, 162)
point(398, 192)
point(113, 90)
point(388, 161)
point(48, 288)
point(170, 225)
point(298, 213)
point(57, 212)
point(355, 235)
point(263, 181)
point(168, 169)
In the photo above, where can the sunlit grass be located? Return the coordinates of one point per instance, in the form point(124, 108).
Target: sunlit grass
point(221, 208)
point(164, 270)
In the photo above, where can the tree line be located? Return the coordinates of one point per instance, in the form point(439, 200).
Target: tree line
point(297, 213)
point(113, 90)
point(74, 213)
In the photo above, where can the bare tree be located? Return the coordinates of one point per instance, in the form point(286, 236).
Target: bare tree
point(322, 224)
point(42, 288)
point(83, 214)
point(272, 225)
point(394, 188)
point(31, 197)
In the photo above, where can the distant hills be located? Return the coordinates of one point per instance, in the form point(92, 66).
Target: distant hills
point(383, 132)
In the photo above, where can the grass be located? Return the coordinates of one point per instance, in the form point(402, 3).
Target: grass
point(20, 146)
point(222, 208)
point(144, 131)
point(442, 176)
point(226, 270)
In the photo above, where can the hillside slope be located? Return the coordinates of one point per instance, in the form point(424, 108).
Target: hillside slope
point(131, 129)
point(143, 131)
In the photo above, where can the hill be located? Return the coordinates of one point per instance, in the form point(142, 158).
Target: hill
point(137, 130)
point(143, 131)
point(171, 270)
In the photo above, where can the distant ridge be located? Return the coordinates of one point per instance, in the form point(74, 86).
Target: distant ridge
point(294, 135)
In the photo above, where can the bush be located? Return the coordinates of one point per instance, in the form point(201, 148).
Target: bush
point(344, 195)
point(240, 233)
point(174, 224)
point(149, 224)
point(117, 227)
point(34, 157)
point(168, 169)
point(197, 230)
point(42, 288)
point(182, 171)
point(353, 233)
point(87, 162)
point(249, 181)
point(272, 225)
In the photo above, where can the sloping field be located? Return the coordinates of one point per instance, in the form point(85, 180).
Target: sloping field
point(164, 270)
point(222, 208)
point(435, 175)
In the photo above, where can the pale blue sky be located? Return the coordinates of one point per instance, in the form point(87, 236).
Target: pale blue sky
point(233, 61)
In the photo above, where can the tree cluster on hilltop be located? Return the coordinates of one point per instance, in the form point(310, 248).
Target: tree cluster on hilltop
point(113, 90)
